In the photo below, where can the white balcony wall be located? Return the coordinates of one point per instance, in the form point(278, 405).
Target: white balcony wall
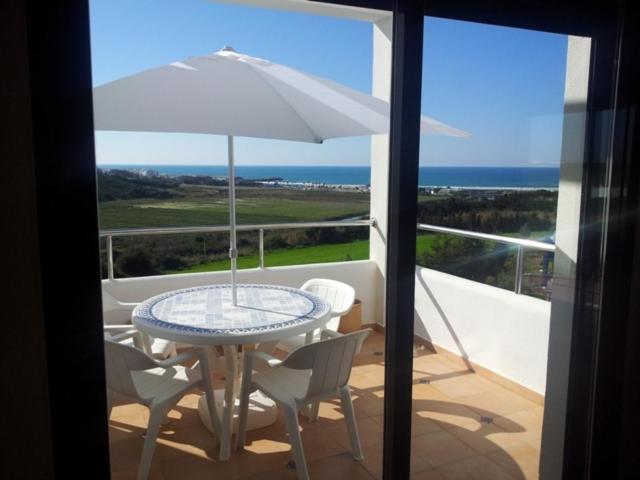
point(497, 329)
point(361, 275)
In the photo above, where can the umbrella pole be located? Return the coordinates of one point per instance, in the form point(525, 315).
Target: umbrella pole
point(233, 252)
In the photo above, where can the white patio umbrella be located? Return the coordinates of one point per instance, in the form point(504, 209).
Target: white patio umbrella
point(230, 94)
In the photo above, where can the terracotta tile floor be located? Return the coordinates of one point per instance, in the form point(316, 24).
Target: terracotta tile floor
point(464, 427)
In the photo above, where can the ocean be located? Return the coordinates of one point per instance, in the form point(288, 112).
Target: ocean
point(503, 177)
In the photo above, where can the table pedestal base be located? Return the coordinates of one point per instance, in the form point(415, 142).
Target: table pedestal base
point(262, 411)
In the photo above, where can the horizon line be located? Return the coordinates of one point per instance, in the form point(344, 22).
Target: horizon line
point(537, 165)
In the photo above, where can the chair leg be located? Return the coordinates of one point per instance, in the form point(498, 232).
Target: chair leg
point(291, 419)
point(156, 416)
point(352, 426)
point(308, 337)
point(314, 410)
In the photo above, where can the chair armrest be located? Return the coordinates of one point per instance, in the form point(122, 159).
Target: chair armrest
point(140, 339)
point(128, 304)
point(121, 308)
point(130, 332)
point(325, 334)
point(188, 355)
point(118, 328)
point(265, 358)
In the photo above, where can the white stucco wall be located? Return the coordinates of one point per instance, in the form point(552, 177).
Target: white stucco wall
point(495, 328)
point(380, 88)
point(359, 274)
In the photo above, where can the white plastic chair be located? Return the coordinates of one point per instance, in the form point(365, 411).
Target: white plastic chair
point(159, 385)
point(339, 295)
point(117, 319)
point(309, 374)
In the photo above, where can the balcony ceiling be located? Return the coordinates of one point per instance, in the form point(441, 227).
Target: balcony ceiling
point(316, 8)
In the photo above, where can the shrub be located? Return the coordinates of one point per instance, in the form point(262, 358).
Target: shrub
point(136, 264)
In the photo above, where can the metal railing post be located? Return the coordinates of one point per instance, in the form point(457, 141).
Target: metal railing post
point(261, 248)
point(519, 269)
point(109, 257)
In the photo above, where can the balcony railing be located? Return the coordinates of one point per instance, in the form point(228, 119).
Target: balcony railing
point(129, 232)
point(521, 244)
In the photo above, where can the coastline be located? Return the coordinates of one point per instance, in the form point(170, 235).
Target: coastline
point(366, 188)
point(358, 178)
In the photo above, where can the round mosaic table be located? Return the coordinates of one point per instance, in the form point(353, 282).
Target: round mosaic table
point(206, 316)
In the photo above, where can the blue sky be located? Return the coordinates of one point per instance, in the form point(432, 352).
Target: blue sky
point(503, 85)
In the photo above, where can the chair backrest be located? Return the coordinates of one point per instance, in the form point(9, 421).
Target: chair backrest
point(120, 361)
point(108, 301)
point(330, 361)
point(113, 312)
point(339, 295)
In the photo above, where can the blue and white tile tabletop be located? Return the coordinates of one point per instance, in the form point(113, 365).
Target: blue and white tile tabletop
point(205, 315)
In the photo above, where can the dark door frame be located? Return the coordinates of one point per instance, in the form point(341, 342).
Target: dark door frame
point(606, 342)
point(59, 60)
point(402, 212)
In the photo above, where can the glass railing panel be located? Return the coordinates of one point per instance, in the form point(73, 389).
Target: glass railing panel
point(489, 260)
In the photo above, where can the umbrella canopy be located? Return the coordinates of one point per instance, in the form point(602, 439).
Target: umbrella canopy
point(227, 93)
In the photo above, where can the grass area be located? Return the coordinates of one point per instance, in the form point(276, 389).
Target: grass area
point(335, 252)
point(208, 206)
point(339, 252)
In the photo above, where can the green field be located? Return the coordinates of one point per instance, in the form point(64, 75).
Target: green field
point(203, 205)
point(339, 252)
